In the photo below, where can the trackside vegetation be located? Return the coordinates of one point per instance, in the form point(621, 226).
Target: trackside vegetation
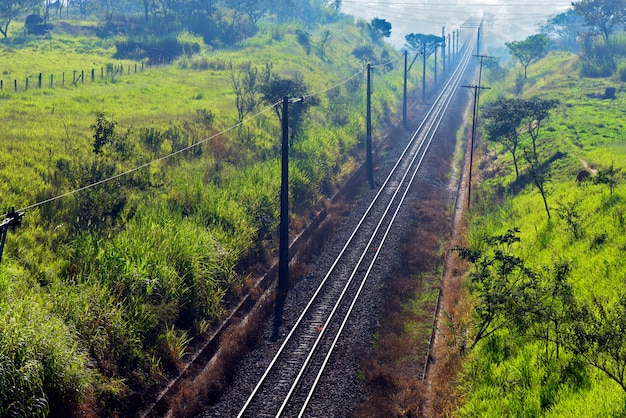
point(105, 289)
point(547, 333)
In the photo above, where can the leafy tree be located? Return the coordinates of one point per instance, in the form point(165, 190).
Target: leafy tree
point(536, 110)
point(502, 118)
point(554, 310)
point(505, 116)
point(379, 28)
point(597, 333)
point(11, 9)
point(507, 292)
point(103, 131)
point(364, 53)
point(246, 85)
point(567, 26)
point(325, 37)
point(602, 16)
point(528, 50)
point(275, 89)
point(304, 39)
point(609, 176)
point(255, 9)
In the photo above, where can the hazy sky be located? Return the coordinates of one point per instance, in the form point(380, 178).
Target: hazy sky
point(505, 20)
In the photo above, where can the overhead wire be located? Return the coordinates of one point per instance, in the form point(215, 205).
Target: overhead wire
point(132, 170)
point(172, 154)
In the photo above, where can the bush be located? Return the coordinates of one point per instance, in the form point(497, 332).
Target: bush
point(594, 67)
point(158, 49)
point(621, 71)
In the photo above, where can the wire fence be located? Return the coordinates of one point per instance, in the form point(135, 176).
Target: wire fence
point(73, 78)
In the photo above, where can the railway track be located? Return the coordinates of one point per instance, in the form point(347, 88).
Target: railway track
point(289, 383)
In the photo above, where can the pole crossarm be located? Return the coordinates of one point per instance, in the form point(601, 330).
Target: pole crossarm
point(12, 219)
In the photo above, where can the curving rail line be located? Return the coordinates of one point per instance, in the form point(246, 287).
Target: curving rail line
point(289, 382)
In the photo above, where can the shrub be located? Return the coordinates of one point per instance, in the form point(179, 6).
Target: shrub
point(594, 67)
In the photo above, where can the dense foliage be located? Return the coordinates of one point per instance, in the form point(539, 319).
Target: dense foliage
point(173, 179)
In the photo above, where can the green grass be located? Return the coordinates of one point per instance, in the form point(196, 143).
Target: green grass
point(507, 374)
point(126, 275)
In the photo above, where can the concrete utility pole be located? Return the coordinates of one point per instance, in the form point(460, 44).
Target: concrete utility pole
point(474, 117)
point(424, 74)
point(406, 76)
point(435, 67)
point(443, 49)
point(449, 50)
point(283, 251)
point(368, 152)
point(404, 97)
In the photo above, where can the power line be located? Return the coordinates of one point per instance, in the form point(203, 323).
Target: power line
point(132, 170)
point(172, 154)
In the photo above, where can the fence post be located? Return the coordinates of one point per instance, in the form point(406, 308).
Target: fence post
point(93, 74)
point(51, 80)
point(63, 79)
point(26, 83)
point(1, 85)
point(74, 78)
point(15, 84)
point(135, 68)
point(39, 80)
point(82, 76)
point(101, 73)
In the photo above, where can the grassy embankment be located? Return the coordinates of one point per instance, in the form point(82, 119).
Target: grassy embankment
point(531, 369)
point(103, 291)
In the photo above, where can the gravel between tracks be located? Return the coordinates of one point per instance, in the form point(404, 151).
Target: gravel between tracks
point(341, 388)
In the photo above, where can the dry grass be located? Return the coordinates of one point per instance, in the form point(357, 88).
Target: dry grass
point(196, 394)
point(394, 370)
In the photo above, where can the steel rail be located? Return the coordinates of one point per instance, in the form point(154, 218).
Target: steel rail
point(432, 133)
point(414, 149)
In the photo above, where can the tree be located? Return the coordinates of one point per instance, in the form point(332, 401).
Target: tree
point(597, 333)
point(276, 88)
point(246, 85)
point(528, 50)
point(609, 176)
point(566, 26)
point(325, 37)
point(557, 302)
point(505, 116)
point(507, 292)
point(103, 132)
point(535, 111)
point(602, 16)
point(11, 9)
point(379, 28)
point(364, 53)
point(502, 118)
point(255, 9)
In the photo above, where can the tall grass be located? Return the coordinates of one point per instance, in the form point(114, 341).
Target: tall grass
point(127, 274)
